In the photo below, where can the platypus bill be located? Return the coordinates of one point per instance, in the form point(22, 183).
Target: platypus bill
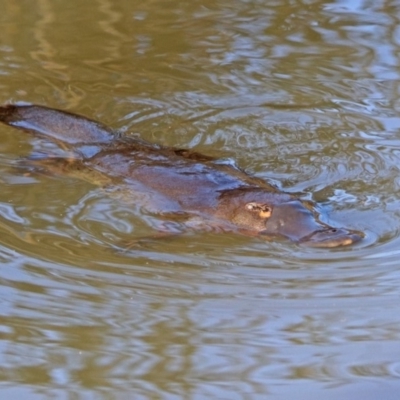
point(177, 181)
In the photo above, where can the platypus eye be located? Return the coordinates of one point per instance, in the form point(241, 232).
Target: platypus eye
point(263, 210)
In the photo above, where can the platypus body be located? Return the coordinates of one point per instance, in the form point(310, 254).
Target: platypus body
point(179, 182)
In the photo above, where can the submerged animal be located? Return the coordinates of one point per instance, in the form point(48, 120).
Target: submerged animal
point(198, 189)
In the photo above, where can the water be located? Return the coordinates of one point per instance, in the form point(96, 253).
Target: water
point(301, 93)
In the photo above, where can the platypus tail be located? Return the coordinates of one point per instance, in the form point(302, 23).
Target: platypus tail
point(59, 125)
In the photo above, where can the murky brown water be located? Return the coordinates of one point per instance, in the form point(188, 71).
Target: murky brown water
point(302, 93)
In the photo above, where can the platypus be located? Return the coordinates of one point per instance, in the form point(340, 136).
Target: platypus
point(201, 190)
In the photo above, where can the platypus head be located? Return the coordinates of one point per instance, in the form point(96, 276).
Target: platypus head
point(281, 215)
point(296, 222)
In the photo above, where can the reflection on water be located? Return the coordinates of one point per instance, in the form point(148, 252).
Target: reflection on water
point(304, 94)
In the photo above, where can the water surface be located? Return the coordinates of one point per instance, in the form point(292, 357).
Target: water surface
point(301, 93)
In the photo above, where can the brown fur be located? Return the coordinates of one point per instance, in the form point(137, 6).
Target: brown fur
point(178, 181)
